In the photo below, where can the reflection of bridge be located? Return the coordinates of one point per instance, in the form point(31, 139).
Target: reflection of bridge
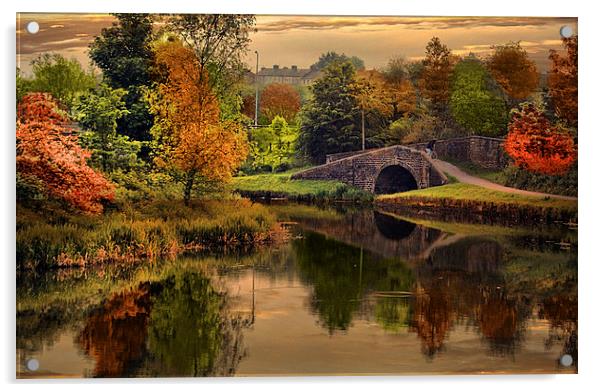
point(384, 170)
point(379, 233)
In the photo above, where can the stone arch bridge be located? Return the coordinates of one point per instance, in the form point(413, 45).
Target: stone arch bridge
point(380, 171)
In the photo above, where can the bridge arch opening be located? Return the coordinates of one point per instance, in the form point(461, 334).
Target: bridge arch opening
point(394, 179)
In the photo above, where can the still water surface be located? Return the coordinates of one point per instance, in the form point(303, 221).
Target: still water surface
point(351, 292)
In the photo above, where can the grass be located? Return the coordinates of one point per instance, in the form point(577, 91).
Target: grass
point(281, 183)
point(149, 231)
point(460, 191)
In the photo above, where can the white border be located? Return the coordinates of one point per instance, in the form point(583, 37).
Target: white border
point(590, 139)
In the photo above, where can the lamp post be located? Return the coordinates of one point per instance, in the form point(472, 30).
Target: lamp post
point(256, 87)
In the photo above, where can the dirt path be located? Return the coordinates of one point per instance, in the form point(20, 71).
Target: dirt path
point(464, 177)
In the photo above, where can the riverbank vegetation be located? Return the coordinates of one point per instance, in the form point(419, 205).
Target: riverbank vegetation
point(139, 232)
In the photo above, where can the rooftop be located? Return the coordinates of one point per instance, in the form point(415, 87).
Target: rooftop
point(293, 71)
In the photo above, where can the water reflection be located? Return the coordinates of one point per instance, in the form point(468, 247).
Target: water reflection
point(179, 326)
point(463, 283)
point(377, 232)
point(353, 292)
point(391, 228)
point(340, 276)
point(115, 334)
point(561, 311)
point(191, 331)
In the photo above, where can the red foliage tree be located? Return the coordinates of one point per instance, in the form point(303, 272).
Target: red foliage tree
point(248, 106)
point(40, 107)
point(279, 100)
point(48, 151)
point(537, 145)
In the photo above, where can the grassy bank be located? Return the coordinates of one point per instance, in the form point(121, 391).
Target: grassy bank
point(472, 204)
point(280, 185)
point(460, 191)
point(157, 229)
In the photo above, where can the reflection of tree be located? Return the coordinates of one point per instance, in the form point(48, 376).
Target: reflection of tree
point(190, 330)
point(432, 316)
point(332, 268)
point(500, 320)
point(115, 335)
point(462, 281)
point(341, 274)
point(561, 311)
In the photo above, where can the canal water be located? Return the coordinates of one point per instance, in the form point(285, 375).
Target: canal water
point(350, 292)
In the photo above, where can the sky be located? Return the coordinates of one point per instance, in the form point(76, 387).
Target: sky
point(299, 40)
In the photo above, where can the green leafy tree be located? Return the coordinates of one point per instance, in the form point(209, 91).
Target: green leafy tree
point(273, 146)
point(123, 53)
point(24, 86)
point(475, 104)
point(333, 57)
point(330, 120)
point(261, 143)
point(64, 79)
point(422, 128)
point(97, 113)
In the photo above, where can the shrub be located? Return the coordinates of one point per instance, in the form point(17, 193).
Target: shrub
point(264, 169)
point(565, 184)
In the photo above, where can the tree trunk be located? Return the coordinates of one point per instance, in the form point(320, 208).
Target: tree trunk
point(188, 186)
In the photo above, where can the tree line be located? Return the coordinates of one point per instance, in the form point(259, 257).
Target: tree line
point(171, 106)
point(446, 96)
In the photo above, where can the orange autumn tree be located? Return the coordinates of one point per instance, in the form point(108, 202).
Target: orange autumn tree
point(48, 152)
point(537, 145)
point(513, 70)
point(279, 100)
point(399, 90)
point(370, 95)
point(562, 81)
point(189, 136)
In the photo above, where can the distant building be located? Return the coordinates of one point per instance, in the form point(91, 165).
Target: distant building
point(285, 75)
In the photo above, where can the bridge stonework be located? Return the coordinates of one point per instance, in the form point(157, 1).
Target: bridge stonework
point(362, 170)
